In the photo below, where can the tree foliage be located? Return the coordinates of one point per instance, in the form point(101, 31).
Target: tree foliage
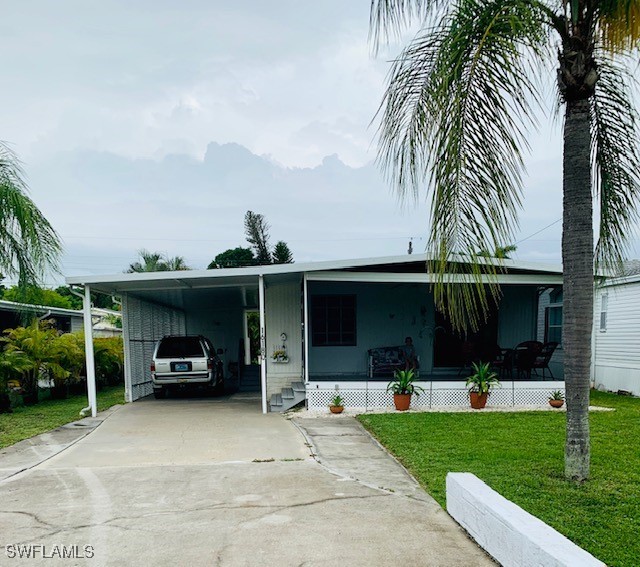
point(256, 229)
point(282, 254)
point(34, 295)
point(29, 246)
point(157, 262)
point(457, 114)
point(233, 258)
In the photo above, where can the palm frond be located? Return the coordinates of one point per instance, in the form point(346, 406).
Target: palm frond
point(29, 246)
point(616, 156)
point(456, 113)
point(619, 25)
point(388, 18)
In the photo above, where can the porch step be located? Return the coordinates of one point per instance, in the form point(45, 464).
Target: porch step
point(287, 393)
point(288, 397)
point(276, 402)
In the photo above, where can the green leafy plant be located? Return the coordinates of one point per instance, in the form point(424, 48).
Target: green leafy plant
point(557, 395)
point(403, 383)
point(337, 401)
point(483, 378)
point(36, 349)
point(109, 359)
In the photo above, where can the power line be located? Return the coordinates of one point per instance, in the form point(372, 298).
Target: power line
point(539, 231)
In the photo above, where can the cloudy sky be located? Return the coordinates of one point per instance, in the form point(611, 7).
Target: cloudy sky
point(158, 124)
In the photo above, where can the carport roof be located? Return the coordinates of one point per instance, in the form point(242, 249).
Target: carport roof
point(232, 277)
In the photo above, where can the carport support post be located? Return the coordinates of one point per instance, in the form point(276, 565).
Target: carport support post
point(88, 350)
point(263, 347)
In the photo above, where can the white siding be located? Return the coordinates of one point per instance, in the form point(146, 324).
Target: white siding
point(283, 312)
point(617, 352)
point(77, 324)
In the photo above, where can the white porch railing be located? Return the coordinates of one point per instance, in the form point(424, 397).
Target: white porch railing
point(369, 395)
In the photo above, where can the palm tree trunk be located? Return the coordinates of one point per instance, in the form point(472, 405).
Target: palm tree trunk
point(577, 257)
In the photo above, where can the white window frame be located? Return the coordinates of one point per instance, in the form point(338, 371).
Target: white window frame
point(604, 310)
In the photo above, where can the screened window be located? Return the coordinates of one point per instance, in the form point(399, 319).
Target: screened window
point(333, 320)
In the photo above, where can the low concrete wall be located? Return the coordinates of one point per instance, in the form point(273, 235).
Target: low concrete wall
point(509, 534)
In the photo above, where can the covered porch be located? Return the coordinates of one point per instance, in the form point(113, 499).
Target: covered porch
point(352, 314)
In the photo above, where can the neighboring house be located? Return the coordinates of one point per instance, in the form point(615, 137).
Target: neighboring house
point(326, 316)
point(616, 332)
point(12, 315)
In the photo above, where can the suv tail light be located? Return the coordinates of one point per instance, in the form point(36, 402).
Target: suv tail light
point(209, 365)
point(153, 367)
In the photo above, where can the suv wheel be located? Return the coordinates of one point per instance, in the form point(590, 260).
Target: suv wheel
point(159, 393)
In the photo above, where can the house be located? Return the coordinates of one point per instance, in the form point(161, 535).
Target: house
point(616, 332)
point(319, 320)
point(12, 315)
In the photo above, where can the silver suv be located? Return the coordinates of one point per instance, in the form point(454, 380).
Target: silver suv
point(180, 361)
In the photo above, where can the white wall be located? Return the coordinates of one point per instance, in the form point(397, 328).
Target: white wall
point(221, 324)
point(385, 315)
point(283, 310)
point(617, 349)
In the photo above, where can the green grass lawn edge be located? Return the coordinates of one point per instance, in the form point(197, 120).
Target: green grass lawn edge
point(28, 421)
point(520, 455)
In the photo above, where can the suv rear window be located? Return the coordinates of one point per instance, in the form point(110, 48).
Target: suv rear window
point(179, 347)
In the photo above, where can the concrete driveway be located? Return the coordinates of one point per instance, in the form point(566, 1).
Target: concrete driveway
point(215, 482)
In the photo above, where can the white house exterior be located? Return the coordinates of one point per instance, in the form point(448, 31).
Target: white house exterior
point(616, 333)
point(326, 315)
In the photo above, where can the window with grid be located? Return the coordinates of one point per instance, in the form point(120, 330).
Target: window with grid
point(603, 311)
point(553, 330)
point(333, 320)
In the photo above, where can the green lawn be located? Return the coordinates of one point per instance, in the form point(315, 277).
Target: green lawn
point(521, 456)
point(28, 421)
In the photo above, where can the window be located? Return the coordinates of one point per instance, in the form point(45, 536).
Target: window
point(604, 303)
point(553, 317)
point(553, 330)
point(333, 320)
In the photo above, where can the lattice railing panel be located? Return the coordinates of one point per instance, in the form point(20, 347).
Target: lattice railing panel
point(533, 397)
point(433, 396)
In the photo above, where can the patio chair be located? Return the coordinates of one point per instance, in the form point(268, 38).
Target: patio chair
point(468, 352)
point(525, 356)
point(503, 361)
point(544, 357)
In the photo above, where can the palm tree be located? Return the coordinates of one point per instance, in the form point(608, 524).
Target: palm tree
point(29, 246)
point(176, 264)
point(456, 113)
point(157, 262)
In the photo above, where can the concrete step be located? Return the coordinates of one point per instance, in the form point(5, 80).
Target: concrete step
point(276, 401)
point(287, 394)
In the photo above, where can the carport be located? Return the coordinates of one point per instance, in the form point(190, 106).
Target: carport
point(155, 304)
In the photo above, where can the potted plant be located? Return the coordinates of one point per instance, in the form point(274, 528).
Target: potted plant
point(337, 404)
point(556, 399)
point(403, 388)
point(480, 384)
